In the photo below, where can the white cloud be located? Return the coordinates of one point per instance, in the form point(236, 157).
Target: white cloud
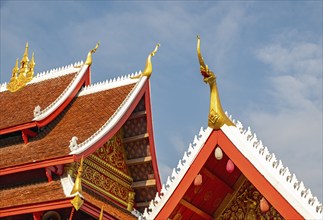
point(294, 129)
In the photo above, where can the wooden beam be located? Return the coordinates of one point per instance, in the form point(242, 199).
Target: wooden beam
point(134, 138)
point(138, 160)
point(145, 183)
point(229, 197)
point(212, 176)
point(142, 204)
point(195, 209)
point(137, 114)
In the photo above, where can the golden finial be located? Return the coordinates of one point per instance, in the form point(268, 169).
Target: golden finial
point(21, 76)
point(101, 214)
point(15, 69)
point(77, 188)
point(25, 58)
point(149, 67)
point(217, 117)
point(30, 73)
point(89, 55)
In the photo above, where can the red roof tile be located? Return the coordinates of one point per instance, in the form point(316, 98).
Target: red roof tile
point(82, 118)
point(18, 107)
point(31, 194)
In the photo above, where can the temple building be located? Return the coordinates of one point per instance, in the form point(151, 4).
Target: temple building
point(70, 149)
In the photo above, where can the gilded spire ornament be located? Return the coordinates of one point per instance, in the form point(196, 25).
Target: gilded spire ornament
point(89, 55)
point(77, 201)
point(21, 76)
point(149, 67)
point(217, 117)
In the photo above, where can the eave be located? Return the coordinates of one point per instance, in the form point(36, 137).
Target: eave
point(280, 188)
point(31, 208)
point(55, 108)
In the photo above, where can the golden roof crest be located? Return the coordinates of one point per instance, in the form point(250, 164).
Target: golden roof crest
point(149, 67)
point(21, 76)
point(217, 117)
point(88, 60)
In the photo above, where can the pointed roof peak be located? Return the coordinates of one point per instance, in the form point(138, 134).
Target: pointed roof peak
point(217, 117)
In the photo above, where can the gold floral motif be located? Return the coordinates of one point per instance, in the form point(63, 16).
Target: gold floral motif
point(112, 152)
point(108, 170)
point(245, 206)
point(109, 184)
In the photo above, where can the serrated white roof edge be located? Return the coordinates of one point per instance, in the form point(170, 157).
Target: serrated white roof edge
point(50, 74)
point(44, 113)
point(177, 175)
point(273, 170)
point(108, 84)
point(113, 120)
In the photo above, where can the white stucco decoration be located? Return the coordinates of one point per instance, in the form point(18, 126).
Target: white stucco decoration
point(37, 111)
point(73, 143)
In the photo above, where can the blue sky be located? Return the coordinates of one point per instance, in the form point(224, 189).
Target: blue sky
point(267, 56)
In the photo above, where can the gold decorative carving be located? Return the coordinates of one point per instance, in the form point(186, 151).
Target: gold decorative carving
point(149, 67)
point(106, 172)
point(217, 117)
point(112, 152)
point(245, 206)
point(77, 202)
point(131, 198)
point(21, 76)
point(88, 60)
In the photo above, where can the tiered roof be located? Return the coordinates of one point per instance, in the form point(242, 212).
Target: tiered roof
point(74, 120)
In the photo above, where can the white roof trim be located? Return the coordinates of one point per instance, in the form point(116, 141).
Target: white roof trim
point(114, 119)
point(108, 84)
point(63, 96)
point(266, 163)
point(50, 74)
point(177, 175)
point(273, 170)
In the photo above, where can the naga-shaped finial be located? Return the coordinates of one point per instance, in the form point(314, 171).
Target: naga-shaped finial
point(77, 188)
point(149, 67)
point(217, 117)
point(21, 76)
point(89, 55)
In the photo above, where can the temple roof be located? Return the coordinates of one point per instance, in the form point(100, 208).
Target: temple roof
point(35, 196)
point(95, 114)
point(254, 161)
point(47, 90)
point(85, 116)
point(31, 194)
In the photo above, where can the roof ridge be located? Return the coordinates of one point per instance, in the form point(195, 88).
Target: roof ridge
point(49, 74)
point(39, 113)
point(109, 84)
point(105, 128)
point(276, 167)
point(177, 174)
